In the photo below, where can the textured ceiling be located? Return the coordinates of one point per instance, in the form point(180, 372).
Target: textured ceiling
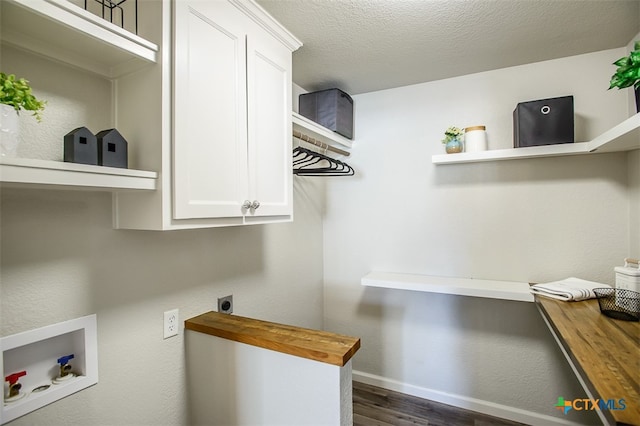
point(366, 45)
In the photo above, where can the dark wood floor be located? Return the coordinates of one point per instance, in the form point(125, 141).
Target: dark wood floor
point(373, 406)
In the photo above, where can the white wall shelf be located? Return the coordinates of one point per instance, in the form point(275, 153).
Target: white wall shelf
point(623, 137)
point(492, 289)
point(81, 38)
point(56, 174)
point(321, 133)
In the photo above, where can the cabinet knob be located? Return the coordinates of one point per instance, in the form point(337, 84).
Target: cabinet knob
point(255, 204)
point(246, 205)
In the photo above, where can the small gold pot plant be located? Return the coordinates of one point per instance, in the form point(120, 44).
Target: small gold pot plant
point(628, 73)
point(453, 140)
point(15, 95)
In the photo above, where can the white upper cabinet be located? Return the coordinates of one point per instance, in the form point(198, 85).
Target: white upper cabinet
point(225, 141)
point(232, 124)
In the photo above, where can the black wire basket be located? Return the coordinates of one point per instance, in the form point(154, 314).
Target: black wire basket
point(619, 303)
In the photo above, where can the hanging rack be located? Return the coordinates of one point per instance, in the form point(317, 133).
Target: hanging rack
point(311, 163)
point(316, 142)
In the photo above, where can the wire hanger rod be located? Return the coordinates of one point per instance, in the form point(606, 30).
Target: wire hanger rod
point(316, 142)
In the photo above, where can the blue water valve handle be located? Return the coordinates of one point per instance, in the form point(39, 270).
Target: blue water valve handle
point(65, 359)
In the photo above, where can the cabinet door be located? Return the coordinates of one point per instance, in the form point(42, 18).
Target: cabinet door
point(209, 116)
point(269, 124)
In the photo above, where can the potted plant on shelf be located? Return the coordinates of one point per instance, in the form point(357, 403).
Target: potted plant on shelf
point(15, 95)
point(453, 140)
point(628, 73)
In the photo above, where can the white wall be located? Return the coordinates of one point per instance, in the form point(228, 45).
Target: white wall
point(634, 203)
point(526, 220)
point(634, 179)
point(60, 259)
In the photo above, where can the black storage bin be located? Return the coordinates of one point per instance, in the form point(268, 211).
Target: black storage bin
point(331, 108)
point(543, 122)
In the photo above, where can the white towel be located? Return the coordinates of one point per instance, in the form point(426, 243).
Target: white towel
point(570, 289)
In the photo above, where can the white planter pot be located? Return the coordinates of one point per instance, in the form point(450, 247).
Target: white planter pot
point(9, 131)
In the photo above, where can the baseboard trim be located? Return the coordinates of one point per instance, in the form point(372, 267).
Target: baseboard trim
point(465, 402)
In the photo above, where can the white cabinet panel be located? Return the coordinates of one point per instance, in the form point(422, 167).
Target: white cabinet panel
point(210, 111)
point(269, 103)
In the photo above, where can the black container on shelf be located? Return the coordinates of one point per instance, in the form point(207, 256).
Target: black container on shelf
point(112, 149)
point(81, 146)
point(619, 303)
point(543, 122)
point(331, 108)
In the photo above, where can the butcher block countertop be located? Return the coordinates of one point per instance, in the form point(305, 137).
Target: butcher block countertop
point(316, 345)
point(604, 352)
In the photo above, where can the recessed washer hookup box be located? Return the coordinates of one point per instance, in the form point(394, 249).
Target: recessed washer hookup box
point(331, 108)
point(543, 122)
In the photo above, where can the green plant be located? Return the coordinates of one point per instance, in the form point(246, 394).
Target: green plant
point(628, 72)
point(452, 133)
point(17, 93)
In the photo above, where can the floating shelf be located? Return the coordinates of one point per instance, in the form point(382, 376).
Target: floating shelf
point(316, 345)
point(492, 289)
point(623, 137)
point(65, 32)
point(313, 129)
point(42, 173)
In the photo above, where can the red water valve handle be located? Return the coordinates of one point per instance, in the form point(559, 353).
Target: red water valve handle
point(13, 378)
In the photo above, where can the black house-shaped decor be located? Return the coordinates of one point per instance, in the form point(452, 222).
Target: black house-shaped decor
point(81, 146)
point(112, 149)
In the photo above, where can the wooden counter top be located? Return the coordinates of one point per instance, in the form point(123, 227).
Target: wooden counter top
point(316, 345)
point(604, 352)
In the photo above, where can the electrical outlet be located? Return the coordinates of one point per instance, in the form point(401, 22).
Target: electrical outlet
point(171, 323)
point(225, 304)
